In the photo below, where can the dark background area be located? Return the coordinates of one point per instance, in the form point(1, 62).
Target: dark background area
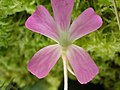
point(75, 85)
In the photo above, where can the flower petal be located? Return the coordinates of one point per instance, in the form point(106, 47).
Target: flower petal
point(44, 60)
point(84, 67)
point(86, 23)
point(42, 22)
point(62, 12)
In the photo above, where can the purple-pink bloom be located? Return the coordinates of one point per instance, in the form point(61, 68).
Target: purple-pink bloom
point(60, 30)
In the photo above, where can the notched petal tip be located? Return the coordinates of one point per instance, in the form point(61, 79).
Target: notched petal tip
point(30, 19)
point(86, 23)
point(43, 23)
point(91, 10)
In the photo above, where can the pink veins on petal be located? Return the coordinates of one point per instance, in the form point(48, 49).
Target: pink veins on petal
point(59, 29)
point(43, 61)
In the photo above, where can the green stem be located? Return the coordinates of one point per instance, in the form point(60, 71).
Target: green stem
point(116, 13)
point(65, 71)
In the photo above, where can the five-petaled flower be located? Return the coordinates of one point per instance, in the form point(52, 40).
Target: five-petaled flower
point(60, 30)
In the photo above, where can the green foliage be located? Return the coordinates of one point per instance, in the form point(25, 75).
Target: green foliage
point(104, 45)
point(18, 45)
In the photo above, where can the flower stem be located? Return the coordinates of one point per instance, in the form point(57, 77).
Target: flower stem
point(116, 13)
point(65, 63)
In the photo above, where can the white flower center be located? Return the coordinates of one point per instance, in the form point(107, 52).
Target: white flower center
point(64, 39)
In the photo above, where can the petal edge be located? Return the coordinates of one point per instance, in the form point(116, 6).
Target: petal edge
point(44, 60)
point(84, 67)
point(62, 12)
point(42, 22)
point(86, 23)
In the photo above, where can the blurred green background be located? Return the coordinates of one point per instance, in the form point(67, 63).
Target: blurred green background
point(18, 45)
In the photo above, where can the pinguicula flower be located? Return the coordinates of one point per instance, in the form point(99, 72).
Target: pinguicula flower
point(60, 30)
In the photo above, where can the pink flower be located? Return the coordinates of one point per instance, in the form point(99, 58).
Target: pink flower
point(60, 30)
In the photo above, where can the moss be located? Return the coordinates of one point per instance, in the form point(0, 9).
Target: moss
point(18, 45)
